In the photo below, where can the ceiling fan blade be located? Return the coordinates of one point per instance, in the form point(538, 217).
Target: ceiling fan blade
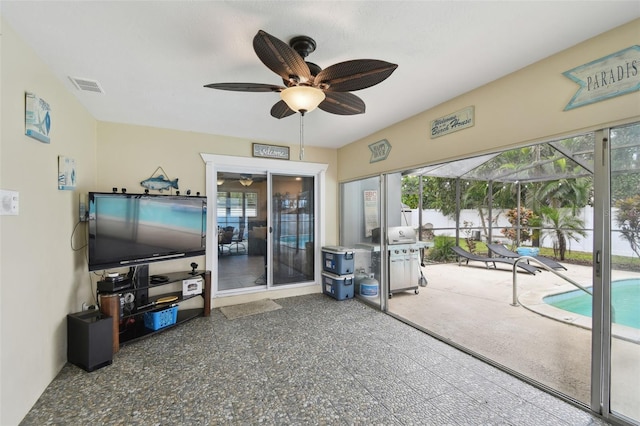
point(354, 75)
point(342, 103)
point(280, 58)
point(281, 110)
point(246, 87)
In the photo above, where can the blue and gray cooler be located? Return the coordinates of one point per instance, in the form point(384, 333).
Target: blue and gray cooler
point(337, 275)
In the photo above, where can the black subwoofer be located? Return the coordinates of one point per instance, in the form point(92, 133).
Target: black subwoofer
point(89, 339)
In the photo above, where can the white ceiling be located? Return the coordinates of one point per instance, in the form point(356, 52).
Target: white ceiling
point(152, 59)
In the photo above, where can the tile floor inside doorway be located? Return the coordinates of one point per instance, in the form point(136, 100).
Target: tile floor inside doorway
point(240, 271)
point(315, 361)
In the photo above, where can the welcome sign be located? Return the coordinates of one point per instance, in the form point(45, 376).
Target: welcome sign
point(271, 151)
point(453, 122)
point(614, 75)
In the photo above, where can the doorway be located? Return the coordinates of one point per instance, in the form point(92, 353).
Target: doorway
point(241, 215)
point(267, 222)
point(616, 318)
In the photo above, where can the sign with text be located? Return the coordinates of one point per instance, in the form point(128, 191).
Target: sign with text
point(605, 78)
point(453, 122)
point(271, 151)
point(370, 211)
point(379, 150)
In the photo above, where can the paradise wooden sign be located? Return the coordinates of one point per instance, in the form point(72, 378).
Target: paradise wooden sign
point(614, 75)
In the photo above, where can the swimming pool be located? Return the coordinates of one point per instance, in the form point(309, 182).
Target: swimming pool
point(290, 240)
point(625, 299)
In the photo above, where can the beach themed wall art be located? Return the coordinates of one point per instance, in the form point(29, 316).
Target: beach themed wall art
point(37, 117)
point(66, 173)
point(159, 182)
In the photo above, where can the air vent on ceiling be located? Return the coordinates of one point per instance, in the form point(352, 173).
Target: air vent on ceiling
point(86, 85)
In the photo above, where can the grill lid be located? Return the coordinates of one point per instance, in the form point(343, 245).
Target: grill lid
point(401, 235)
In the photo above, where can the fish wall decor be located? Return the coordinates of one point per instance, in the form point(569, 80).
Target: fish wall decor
point(159, 182)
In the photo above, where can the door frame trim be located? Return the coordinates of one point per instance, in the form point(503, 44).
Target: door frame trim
point(215, 162)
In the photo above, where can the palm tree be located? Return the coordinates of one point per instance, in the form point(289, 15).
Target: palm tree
point(563, 227)
point(574, 193)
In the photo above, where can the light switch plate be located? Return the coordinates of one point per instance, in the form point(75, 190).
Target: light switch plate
point(9, 202)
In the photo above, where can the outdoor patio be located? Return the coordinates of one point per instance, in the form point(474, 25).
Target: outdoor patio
point(471, 306)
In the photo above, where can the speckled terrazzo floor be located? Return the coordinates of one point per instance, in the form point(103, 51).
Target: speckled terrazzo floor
point(315, 361)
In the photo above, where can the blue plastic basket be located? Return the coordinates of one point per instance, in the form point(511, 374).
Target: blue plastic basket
point(156, 320)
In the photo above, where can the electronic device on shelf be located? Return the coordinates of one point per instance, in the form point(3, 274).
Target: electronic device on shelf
point(110, 286)
point(133, 229)
point(114, 277)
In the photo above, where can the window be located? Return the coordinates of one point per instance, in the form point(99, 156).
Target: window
point(234, 207)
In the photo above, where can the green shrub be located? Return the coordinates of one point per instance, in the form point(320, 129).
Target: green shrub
point(441, 250)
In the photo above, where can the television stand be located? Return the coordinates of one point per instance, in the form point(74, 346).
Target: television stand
point(128, 317)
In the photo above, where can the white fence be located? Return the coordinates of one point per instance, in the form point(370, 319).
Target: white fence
point(443, 225)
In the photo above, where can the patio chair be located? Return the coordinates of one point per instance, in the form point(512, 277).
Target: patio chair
point(238, 240)
point(502, 251)
point(225, 238)
point(463, 254)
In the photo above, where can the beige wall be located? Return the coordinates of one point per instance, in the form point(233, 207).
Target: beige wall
point(523, 107)
point(128, 154)
point(41, 278)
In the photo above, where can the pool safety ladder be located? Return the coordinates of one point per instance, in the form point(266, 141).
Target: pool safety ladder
point(546, 268)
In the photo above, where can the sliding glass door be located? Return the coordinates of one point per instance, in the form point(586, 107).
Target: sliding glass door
point(241, 215)
point(268, 222)
point(621, 285)
point(248, 229)
point(574, 329)
point(293, 224)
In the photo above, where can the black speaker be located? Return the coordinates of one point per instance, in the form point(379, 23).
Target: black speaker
point(89, 339)
point(141, 279)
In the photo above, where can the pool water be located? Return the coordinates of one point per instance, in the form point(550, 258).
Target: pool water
point(625, 299)
point(290, 240)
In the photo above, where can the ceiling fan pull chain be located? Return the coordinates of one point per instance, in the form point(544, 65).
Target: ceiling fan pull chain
point(301, 135)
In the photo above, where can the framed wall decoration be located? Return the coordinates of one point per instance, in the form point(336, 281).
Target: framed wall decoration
point(379, 150)
point(37, 117)
point(66, 173)
point(271, 151)
point(453, 122)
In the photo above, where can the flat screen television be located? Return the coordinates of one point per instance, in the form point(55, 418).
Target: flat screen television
point(133, 229)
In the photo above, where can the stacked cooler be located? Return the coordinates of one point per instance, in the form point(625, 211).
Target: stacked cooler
point(337, 274)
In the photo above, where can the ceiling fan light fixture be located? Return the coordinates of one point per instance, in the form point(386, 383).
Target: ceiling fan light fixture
point(302, 98)
point(245, 181)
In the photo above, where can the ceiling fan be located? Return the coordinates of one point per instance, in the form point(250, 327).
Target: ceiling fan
point(306, 85)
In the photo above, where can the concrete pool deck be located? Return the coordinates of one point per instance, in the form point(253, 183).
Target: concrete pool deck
point(471, 307)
